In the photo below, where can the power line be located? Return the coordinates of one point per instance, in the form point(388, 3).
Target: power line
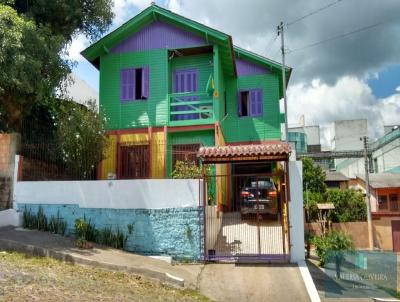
point(343, 35)
point(314, 12)
point(271, 42)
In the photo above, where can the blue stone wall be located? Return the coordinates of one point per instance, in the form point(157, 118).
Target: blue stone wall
point(177, 232)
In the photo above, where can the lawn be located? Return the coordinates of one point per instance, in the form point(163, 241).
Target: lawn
point(25, 278)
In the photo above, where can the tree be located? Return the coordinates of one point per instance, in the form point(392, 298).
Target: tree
point(349, 205)
point(34, 35)
point(81, 139)
point(313, 177)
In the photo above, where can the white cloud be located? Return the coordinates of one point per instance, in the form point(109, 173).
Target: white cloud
point(78, 44)
point(398, 89)
point(348, 98)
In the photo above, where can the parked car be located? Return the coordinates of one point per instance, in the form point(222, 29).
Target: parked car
point(258, 199)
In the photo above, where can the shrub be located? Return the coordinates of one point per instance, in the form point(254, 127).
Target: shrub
point(57, 225)
point(85, 229)
point(332, 245)
point(349, 205)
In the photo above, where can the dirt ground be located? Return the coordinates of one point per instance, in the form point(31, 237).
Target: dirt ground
point(25, 278)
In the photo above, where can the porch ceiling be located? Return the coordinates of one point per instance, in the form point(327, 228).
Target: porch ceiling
point(274, 151)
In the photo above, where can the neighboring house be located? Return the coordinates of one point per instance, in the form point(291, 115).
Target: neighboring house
point(336, 180)
point(385, 193)
point(385, 156)
point(80, 91)
point(169, 85)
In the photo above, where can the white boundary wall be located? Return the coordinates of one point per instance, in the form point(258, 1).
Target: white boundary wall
point(296, 217)
point(115, 194)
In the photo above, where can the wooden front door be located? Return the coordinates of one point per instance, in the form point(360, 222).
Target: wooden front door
point(396, 235)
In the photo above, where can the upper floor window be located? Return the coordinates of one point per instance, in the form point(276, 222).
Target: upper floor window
point(250, 102)
point(134, 84)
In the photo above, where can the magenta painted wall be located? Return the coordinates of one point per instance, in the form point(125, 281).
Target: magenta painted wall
point(159, 35)
point(247, 68)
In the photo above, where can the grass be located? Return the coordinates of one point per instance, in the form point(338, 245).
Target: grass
point(26, 278)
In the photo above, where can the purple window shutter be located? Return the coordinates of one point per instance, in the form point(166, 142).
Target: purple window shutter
point(239, 103)
point(145, 82)
point(131, 84)
point(123, 80)
point(127, 84)
point(256, 104)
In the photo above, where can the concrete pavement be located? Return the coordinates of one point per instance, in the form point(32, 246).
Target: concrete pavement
point(220, 282)
point(256, 283)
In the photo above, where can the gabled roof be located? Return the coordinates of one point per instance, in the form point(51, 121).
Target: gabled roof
point(154, 12)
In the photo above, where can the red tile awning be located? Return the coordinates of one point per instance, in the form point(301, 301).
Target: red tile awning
point(274, 151)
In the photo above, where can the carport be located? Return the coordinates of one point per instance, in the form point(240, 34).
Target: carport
point(248, 217)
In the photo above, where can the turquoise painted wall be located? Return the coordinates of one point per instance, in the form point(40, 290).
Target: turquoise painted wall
point(156, 232)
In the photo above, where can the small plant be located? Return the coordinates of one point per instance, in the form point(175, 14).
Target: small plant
point(41, 220)
point(334, 244)
point(85, 229)
point(106, 236)
point(57, 225)
point(188, 231)
point(130, 228)
point(120, 239)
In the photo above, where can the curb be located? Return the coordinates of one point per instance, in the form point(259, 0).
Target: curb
point(308, 282)
point(10, 245)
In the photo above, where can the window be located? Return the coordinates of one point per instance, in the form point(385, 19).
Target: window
point(394, 206)
point(134, 84)
point(134, 162)
point(250, 102)
point(187, 152)
point(382, 202)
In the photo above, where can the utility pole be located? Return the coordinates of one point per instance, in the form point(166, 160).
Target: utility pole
point(281, 33)
point(367, 193)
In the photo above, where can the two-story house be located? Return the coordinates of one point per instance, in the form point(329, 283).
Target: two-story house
point(169, 86)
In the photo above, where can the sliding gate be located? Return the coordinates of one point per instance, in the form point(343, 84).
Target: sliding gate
point(250, 221)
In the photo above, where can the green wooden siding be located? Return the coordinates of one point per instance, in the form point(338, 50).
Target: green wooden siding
point(266, 127)
point(140, 113)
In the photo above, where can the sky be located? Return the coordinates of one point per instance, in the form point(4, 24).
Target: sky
point(345, 54)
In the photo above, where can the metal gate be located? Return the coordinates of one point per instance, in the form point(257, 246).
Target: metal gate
point(246, 218)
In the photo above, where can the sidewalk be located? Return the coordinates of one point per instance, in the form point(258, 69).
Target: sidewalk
point(63, 248)
point(221, 282)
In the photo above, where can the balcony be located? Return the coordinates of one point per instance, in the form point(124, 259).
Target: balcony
point(190, 108)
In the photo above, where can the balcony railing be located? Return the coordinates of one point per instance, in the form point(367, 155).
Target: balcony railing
point(190, 108)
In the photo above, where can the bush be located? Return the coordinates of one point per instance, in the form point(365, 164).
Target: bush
point(349, 205)
point(85, 230)
point(332, 245)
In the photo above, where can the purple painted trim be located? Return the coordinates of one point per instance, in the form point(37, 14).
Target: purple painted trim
point(159, 35)
point(248, 68)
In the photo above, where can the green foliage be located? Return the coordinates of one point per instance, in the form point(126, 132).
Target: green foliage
point(349, 205)
point(130, 228)
point(57, 225)
point(186, 170)
point(82, 140)
point(332, 245)
point(313, 177)
point(33, 57)
point(188, 231)
point(40, 222)
point(84, 229)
